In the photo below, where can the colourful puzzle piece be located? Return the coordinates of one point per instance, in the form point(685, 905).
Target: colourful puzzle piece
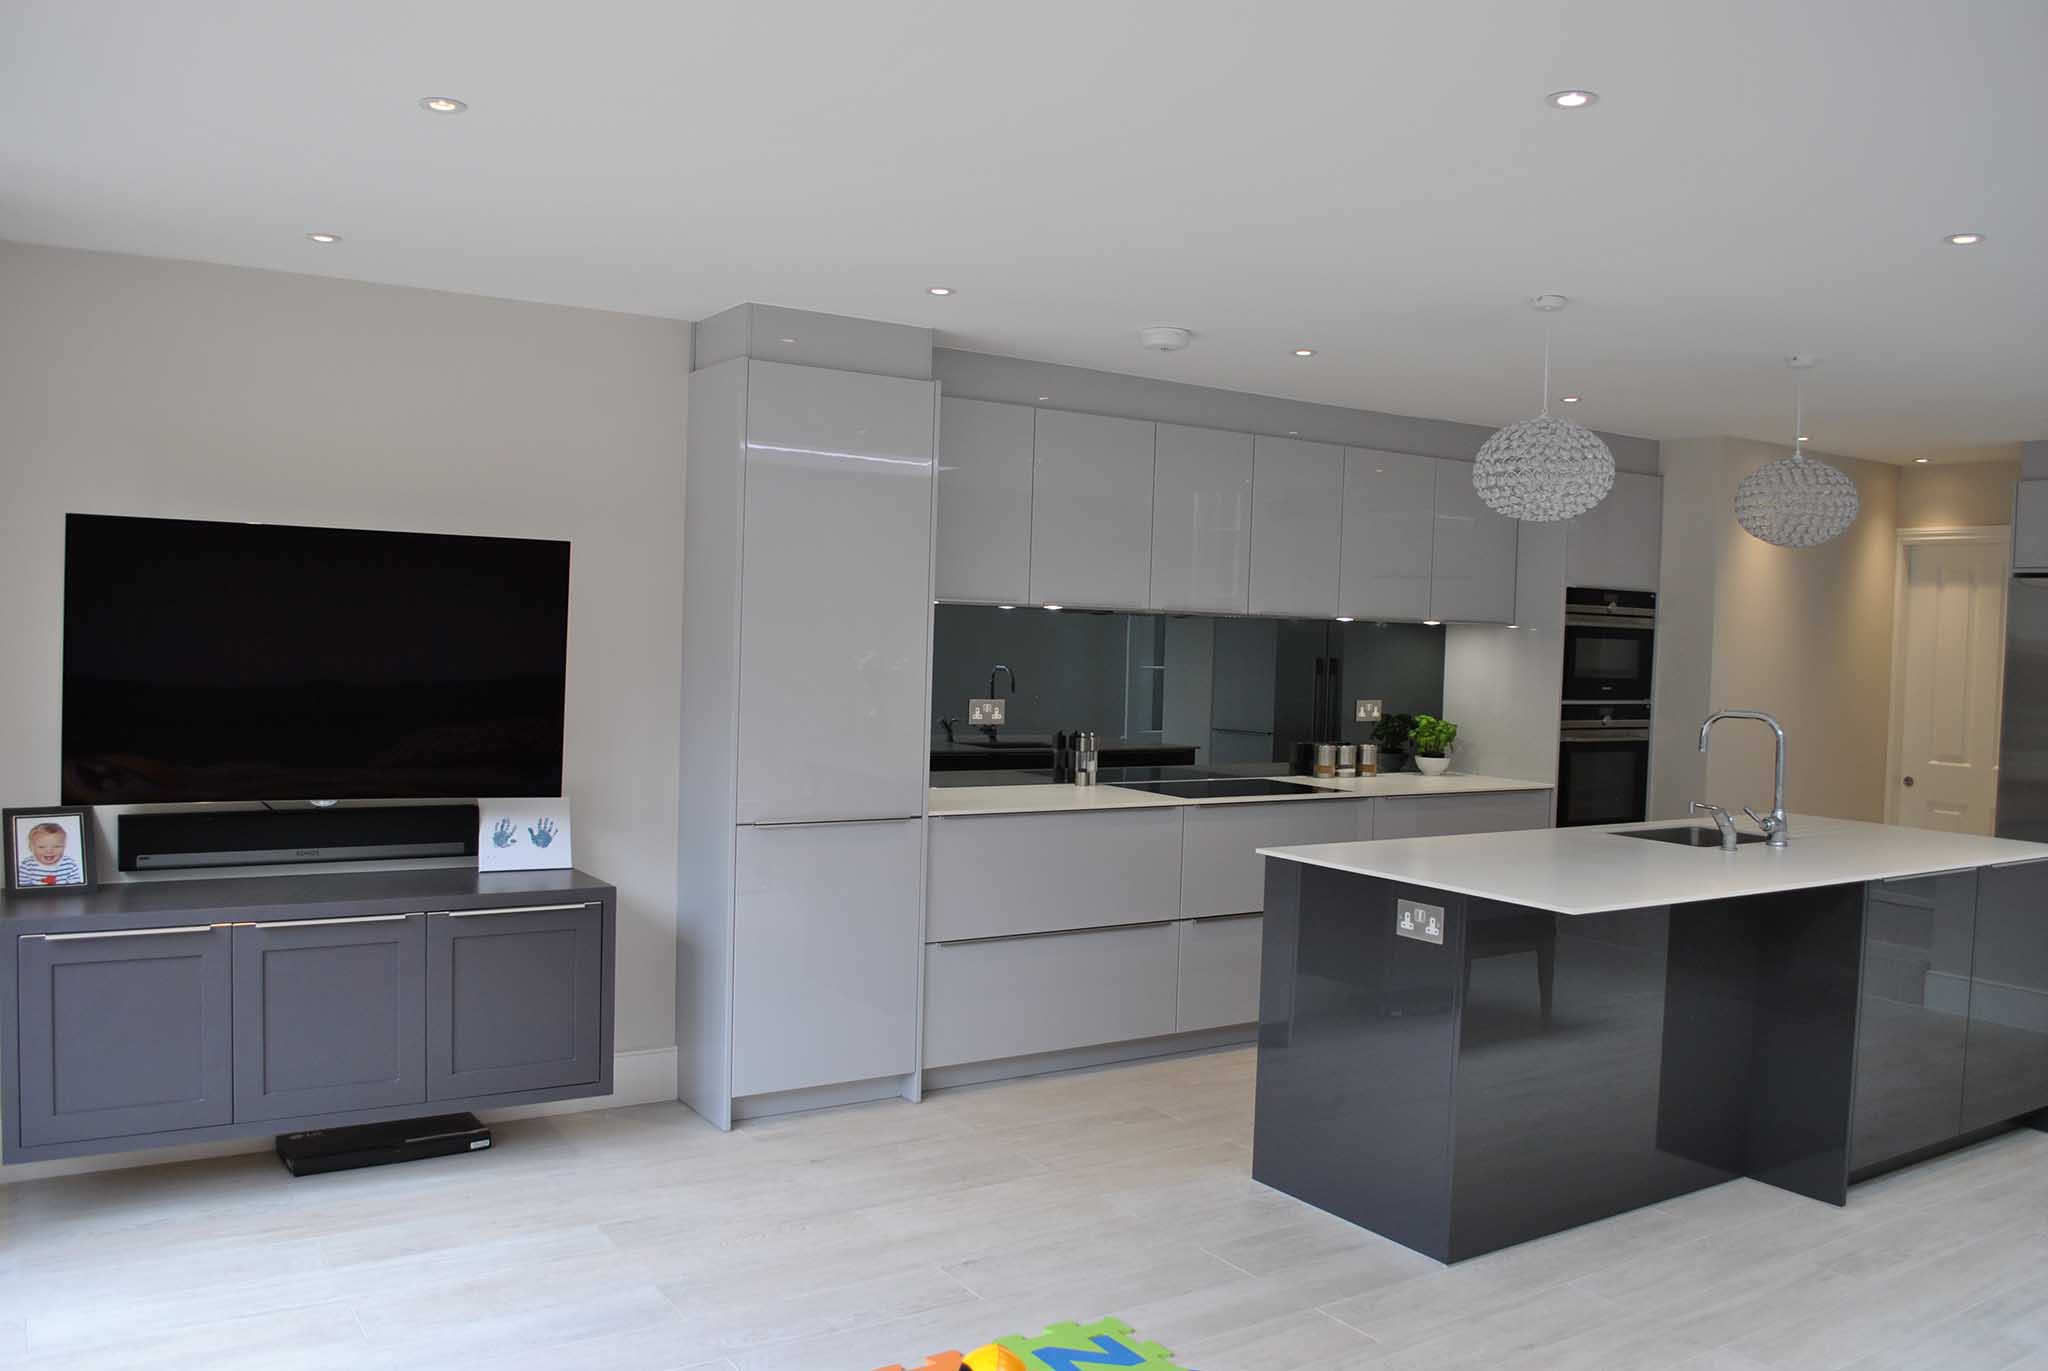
point(1080, 1347)
point(937, 1361)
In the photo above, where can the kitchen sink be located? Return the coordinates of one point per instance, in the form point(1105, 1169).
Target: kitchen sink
point(1693, 836)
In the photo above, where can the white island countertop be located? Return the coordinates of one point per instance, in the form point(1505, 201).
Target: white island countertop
point(1063, 798)
point(1596, 870)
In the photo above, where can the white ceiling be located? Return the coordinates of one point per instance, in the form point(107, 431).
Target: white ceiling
point(1377, 179)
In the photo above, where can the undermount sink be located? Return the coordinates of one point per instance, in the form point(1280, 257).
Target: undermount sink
point(1692, 836)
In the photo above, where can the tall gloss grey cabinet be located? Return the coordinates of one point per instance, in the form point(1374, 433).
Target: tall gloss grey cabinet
point(808, 590)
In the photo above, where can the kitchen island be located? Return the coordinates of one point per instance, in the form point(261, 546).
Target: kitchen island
point(1467, 1042)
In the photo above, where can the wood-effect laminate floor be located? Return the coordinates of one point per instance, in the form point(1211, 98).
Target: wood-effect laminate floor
point(642, 1238)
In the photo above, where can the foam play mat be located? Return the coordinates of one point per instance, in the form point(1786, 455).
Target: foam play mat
point(1061, 1347)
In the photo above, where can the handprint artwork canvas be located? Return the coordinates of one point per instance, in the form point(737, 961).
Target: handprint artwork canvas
point(523, 835)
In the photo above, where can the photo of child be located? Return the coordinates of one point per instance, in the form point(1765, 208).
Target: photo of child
point(49, 851)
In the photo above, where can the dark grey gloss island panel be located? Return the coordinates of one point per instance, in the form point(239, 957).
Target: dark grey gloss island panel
point(1535, 1071)
point(156, 1013)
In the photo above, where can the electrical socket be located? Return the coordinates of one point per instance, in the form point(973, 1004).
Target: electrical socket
point(985, 713)
point(1422, 922)
point(1369, 711)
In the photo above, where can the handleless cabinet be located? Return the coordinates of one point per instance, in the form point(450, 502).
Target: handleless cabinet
point(1016, 997)
point(824, 965)
point(1433, 816)
point(1389, 532)
point(2005, 1071)
point(1201, 520)
point(2030, 526)
point(1472, 553)
point(1091, 511)
point(1914, 1020)
point(1219, 972)
point(123, 1032)
point(1297, 527)
point(516, 999)
point(1616, 545)
point(995, 875)
point(984, 518)
point(330, 1015)
point(836, 601)
point(1221, 871)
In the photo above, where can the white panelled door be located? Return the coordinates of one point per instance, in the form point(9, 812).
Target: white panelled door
point(1951, 658)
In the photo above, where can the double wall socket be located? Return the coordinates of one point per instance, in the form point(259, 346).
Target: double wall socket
point(1422, 922)
point(985, 713)
point(1369, 711)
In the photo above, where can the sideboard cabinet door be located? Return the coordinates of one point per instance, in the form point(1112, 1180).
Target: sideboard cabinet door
point(515, 1000)
point(124, 1032)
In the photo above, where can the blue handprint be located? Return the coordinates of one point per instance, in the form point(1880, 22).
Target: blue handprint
point(505, 834)
point(543, 835)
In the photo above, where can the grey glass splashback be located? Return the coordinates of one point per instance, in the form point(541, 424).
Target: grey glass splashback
point(1236, 690)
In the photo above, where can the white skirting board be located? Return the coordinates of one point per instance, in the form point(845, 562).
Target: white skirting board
point(645, 1075)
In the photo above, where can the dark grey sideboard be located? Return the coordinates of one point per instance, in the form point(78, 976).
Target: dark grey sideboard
point(149, 1014)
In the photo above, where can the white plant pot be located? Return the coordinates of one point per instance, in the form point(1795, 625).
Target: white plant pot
point(1433, 766)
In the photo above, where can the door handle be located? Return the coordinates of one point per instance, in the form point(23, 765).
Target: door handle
point(328, 923)
point(126, 933)
point(1909, 782)
point(512, 909)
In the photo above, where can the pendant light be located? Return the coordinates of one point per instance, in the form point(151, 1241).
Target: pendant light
point(1795, 502)
point(1543, 470)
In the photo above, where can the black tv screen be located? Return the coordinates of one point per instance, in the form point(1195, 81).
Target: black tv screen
point(231, 661)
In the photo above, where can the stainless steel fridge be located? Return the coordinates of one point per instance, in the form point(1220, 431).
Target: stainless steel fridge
point(2023, 747)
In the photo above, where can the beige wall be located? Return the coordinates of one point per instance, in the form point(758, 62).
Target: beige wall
point(1968, 495)
point(137, 386)
point(1804, 634)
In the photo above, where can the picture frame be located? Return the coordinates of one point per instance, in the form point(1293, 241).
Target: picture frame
point(523, 835)
point(50, 851)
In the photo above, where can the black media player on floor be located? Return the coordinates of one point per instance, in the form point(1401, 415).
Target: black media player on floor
point(379, 1144)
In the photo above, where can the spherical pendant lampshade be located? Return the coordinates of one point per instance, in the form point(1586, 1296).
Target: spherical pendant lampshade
point(1793, 502)
point(1543, 470)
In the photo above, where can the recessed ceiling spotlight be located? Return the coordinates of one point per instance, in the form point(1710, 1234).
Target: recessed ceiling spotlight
point(1344, 618)
point(1922, 461)
point(938, 290)
point(1570, 99)
point(442, 104)
point(1055, 606)
point(786, 340)
point(1804, 439)
point(1963, 240)
point(1568, 399)
point(324, 237)
point(1304, 352)
point(1432, 623)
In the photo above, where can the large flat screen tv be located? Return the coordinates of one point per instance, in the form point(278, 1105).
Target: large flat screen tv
point(234, 661)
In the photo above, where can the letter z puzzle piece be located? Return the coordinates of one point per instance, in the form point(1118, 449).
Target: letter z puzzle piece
point(1081, 1347)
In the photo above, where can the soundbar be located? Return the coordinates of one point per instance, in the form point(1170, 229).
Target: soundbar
point(273, 837)
point(379, 1144)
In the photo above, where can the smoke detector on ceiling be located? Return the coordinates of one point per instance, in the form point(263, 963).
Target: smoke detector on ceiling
point(1162, 338)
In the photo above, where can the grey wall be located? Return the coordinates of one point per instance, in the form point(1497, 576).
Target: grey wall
point(137, 386)
point(985, 376)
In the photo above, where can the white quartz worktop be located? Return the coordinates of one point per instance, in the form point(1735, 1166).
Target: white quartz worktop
point(955, 801)
point(1596, 870)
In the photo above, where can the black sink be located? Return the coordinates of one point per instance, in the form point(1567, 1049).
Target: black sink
point(1693, 836)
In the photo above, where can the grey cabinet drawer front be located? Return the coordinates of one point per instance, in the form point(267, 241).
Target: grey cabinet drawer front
point(1221, 871)
point(1429, 816)
point(1012, 997)
point(1219, 972)
point(120, 1036)
point(993, 876)
point(329, 1015)
point(515, 1001)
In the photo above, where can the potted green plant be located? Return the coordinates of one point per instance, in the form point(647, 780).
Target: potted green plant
point(1391, 736)
point(1433, 738)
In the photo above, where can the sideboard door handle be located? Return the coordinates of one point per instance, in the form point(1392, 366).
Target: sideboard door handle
point(512, 909)
point(128, 933)
point(327, 923)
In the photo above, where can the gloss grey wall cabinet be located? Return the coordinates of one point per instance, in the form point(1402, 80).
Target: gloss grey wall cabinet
point(1389, 535)
point(1472, 553)
point(1297, 528)
point(156, 1013)
point(1201, 520)
point(1091, 511)
point(1618, 543)
point(835, 603)
point(984, 518)
point(825, 954)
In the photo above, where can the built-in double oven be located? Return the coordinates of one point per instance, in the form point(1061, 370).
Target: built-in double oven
point(1603, 755)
